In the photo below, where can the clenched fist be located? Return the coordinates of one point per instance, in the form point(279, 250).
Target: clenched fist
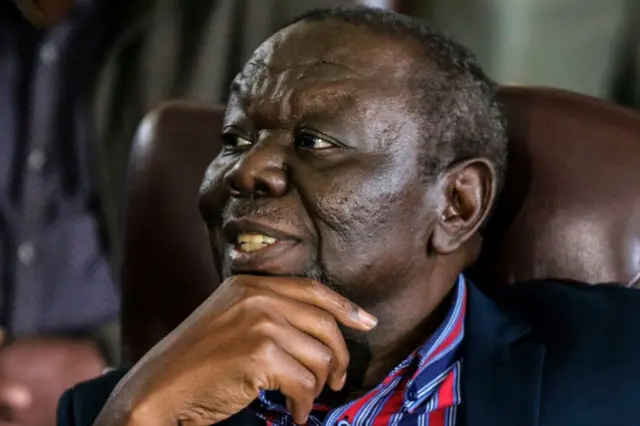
point(254, 333)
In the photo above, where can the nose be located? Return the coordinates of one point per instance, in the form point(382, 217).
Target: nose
point(260, 172)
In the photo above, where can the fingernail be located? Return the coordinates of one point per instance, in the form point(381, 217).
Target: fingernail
point(367, 319)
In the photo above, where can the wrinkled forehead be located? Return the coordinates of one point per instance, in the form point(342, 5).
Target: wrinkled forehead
point(313, 55)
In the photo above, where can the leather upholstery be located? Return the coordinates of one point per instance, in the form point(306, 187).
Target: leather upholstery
point(571, 206)
point(570, 210)
point(167, 268)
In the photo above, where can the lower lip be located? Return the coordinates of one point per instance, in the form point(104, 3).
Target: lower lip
point(277, 258)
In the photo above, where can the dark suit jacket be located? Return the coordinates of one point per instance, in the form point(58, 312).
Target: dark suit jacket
point(543, 353)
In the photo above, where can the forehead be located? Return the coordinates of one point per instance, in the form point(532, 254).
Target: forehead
point(325, 63)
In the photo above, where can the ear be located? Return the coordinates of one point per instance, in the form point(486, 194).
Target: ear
point(466, 194)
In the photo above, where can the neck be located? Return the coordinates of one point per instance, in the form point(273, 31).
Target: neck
point(403, 325)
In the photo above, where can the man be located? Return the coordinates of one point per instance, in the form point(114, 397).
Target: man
point(75, 79)
point(362, 153)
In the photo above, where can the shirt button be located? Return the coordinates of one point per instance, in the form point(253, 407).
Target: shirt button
point(48, 54)
point(36, 160)
point(26, 253)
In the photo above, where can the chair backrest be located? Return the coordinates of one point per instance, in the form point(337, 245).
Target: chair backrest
point(571, 207)
point(167, 269)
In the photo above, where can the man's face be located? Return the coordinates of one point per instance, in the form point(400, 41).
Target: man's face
point(321, 173)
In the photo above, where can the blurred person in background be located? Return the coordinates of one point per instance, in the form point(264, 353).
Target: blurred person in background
point(589, 46)
point(76, 77)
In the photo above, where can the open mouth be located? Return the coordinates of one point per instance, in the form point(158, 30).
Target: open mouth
point(258, 247)
point(248, 243)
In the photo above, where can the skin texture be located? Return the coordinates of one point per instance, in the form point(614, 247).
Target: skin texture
point(325, 155)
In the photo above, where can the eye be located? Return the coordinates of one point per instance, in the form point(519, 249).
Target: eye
point(309, 141)
point(233, 141)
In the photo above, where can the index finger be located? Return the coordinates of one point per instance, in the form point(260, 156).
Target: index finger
point(315, 293)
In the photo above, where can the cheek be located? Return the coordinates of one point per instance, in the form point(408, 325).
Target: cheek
point(361, 198)
point(362, 218)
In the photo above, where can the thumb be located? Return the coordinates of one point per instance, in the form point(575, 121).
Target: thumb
point(15, 396)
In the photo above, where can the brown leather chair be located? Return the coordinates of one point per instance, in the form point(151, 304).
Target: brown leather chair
point(167, 269)
point(571, 208)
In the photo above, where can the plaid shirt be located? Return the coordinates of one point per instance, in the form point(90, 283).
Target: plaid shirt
point(423, 390)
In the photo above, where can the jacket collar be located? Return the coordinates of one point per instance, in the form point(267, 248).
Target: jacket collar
point(502, 366)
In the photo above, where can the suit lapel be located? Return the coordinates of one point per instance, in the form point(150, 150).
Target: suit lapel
point(502, 367)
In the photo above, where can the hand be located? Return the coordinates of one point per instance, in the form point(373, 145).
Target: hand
point(34, 373)
point(252, 334)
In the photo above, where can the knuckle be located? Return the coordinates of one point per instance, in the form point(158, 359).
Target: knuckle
point(308, 382)
point(313, 288)
point(254, 300)
point(311, 285)
point(329, 327)
point(327, 323)
point(265, 326)
point(326, 358)
point(254, 383)
point(266, 351)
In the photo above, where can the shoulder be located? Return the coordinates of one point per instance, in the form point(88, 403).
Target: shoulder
point(594, 323)
point(591, 340)
point(80, 405)
point(574, 304)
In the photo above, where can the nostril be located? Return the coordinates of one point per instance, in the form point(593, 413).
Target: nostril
point(234, 189)
point(253, 181)
point(262, 189)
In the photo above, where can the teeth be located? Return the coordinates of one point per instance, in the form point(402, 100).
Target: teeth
point(249, 247)
point(253, 242)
